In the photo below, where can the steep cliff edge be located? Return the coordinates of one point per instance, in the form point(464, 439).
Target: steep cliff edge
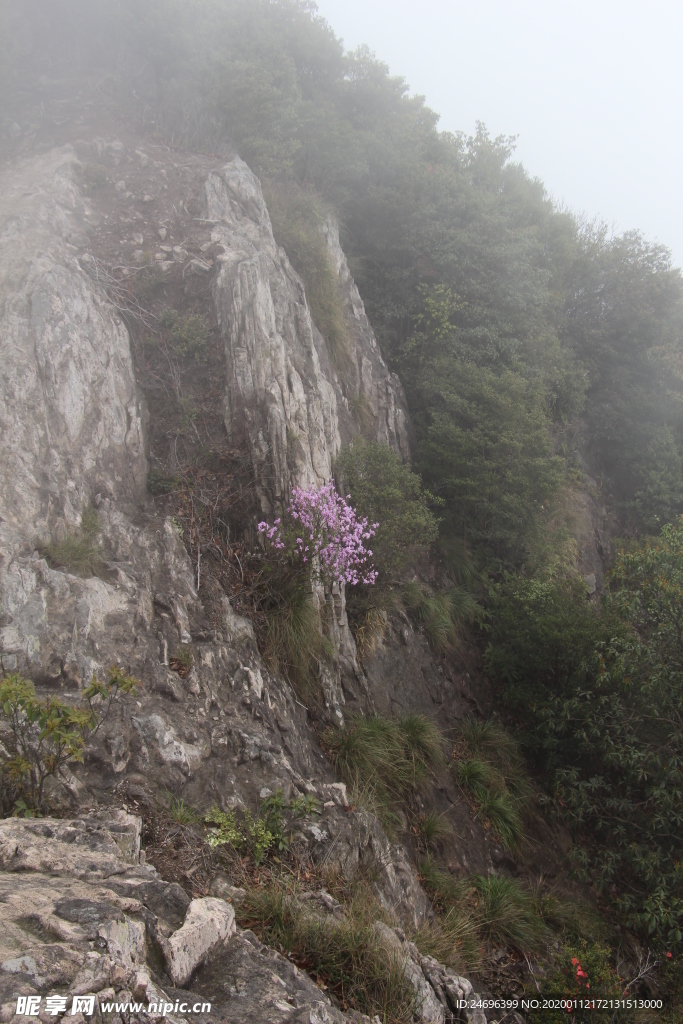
point(227, 732)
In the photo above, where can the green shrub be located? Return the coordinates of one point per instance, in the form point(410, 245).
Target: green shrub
point(582, 971)
point(77, 550)
point(386, 491)
point(46, 734)
point(188, 334)
point(257, 835)
point(252, 834)
point(600, 696)
point(297, 219)
point(542, 631)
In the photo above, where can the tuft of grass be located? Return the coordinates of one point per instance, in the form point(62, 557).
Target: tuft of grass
point(489, 767)
point(294, 643)
point(183, 813)
point(569, 915)
point(423, 743)
point(507, 914)
point(384, 760)
point(77, 550)
point(297, 219)
point(478, 777)
point(432, 827)
point(344, 955)
point(477, 911)
point(502, 812)
point(441, 614)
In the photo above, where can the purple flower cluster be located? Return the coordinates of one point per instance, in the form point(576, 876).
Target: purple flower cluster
point(323, 525)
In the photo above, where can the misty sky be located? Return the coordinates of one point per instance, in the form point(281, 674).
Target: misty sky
point(594, 90)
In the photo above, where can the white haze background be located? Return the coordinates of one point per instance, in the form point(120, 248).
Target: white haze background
point(593, 90)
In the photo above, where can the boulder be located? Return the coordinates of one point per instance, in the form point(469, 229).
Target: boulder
point(208, 922)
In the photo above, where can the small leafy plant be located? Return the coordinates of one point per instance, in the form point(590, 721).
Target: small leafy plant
point(182, 813)
point(257, 835)
point(47, 734)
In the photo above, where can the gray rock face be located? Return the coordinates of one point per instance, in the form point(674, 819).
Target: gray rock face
point(347, 843)
point(93, 922)
point(284, 393)
point(208, 922)
point(70, 416)
point(71, 423)
point(380, 390)
point(439, 992)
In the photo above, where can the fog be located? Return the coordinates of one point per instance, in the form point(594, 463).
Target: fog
point(593, 90)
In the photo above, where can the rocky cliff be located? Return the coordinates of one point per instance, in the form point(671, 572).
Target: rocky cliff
point(82, 421)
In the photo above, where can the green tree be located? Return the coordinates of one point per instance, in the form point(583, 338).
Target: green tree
point(386, 491)
point(486, 450)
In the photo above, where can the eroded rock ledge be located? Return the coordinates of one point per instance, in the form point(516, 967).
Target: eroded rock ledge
point(80, 915)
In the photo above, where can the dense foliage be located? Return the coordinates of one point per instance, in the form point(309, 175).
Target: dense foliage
point(385, 490)
point(599, 699)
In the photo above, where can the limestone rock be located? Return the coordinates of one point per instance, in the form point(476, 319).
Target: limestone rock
point(208, 922)
point(354, 841)
point(128, 914)
point(284, 392)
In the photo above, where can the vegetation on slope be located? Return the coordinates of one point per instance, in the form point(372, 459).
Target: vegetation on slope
point(517, 332)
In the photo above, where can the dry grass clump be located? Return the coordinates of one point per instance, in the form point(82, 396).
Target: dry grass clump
point(293, 640)
point(477, 912)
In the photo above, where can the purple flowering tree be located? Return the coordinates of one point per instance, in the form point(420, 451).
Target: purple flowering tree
point(321, 530)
